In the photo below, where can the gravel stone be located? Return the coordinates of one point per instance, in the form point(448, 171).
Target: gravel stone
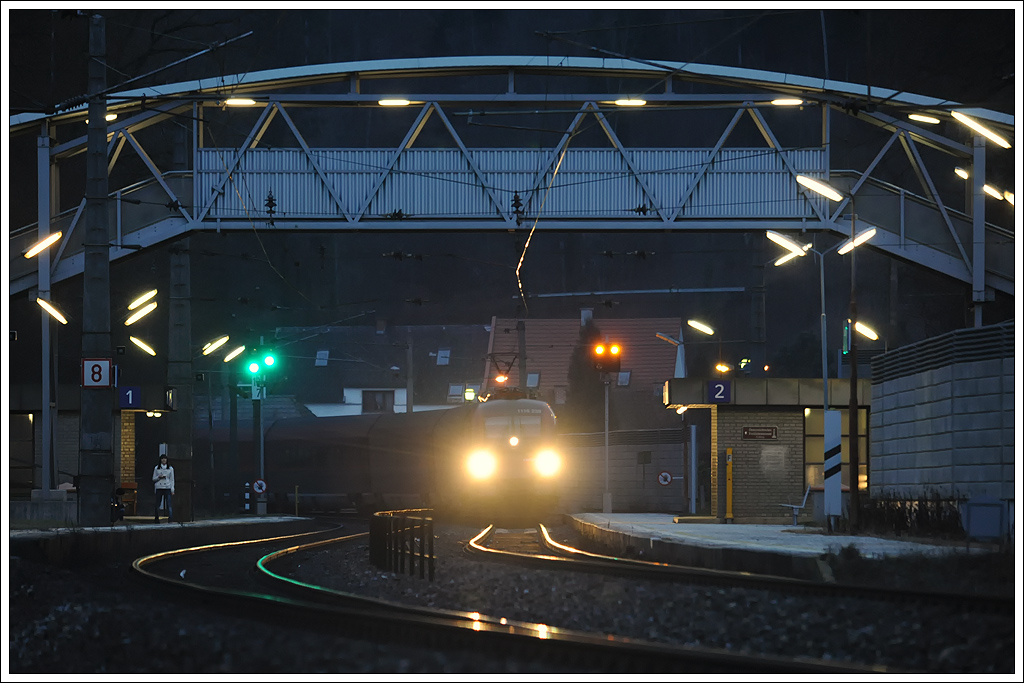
point(99, 619)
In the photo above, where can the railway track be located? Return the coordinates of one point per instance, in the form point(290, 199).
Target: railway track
point(244, 578)
point(536, 548)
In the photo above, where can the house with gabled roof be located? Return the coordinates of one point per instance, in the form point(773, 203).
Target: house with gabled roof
point(636, 391)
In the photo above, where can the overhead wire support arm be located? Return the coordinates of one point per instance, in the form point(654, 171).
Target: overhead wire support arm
point(82, 99)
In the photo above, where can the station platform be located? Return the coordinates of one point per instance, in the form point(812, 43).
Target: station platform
point(781, 550)
point(135, 536)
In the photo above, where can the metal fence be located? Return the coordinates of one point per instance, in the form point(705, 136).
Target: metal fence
point(401, 539)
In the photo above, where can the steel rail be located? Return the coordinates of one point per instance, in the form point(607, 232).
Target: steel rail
point(575, 559)
point(366, 618)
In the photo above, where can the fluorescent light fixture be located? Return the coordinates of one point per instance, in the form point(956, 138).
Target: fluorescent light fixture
point(1008, 196)
point(239, 102)
point(43, 244)
point(785, 242)
point(45, 305)
point(922, 118)
point(978, 128)
point(865, 330)
point(393, 102)
point(962, 172)
point(107, 117)
point(141, 300)
point(787, 102)
point(697, 325)
point(234, 353)
point(860, 239)
point(142, 345)
point(787, 258)
point(630, 102)
point(139, 314)
point(993, 192)
point(212, 346)
point(820, 187)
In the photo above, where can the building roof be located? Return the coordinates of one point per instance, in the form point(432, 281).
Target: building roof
point(323, 361)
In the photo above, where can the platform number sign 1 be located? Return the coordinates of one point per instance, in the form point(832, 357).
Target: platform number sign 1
point(720, 391)
point(131, 397)
point(96, 373)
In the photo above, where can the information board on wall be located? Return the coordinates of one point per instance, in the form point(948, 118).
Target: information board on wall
point(760, 433)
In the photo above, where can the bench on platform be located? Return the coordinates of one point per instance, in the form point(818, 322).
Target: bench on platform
point(797, 508)
point(129, 492)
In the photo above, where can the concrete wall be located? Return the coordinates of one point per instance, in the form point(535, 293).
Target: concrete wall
point(947, 431)
point(634, 486)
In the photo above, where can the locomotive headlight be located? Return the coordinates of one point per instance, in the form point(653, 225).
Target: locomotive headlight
point(513, 441)
point(481, 464)
point(547, 463)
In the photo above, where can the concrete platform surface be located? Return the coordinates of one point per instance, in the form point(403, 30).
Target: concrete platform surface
point(795, 540)
point(137, 536)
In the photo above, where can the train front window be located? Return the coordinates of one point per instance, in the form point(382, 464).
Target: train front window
point(497, 427)
point(500, 427)
point(529, 425)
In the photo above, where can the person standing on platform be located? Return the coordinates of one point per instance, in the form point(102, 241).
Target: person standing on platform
point(163, 486)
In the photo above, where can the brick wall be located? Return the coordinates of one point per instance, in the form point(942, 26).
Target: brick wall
point(126, 469)
point(764, 472)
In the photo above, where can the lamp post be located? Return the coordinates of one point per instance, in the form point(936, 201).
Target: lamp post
point(691, 492)
point(830, 192)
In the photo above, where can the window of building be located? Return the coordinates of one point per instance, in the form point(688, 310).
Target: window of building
point(623, 380)
point(443, 355)
point(814, 447)
point(532, 380)
point(375, 401)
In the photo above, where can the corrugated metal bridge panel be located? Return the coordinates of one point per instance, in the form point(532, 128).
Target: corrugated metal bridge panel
point(441, 183)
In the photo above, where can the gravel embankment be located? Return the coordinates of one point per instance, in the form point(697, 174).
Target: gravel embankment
point(100, 620)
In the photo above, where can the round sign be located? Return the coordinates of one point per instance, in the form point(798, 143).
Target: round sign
point(664, 478)
point(259, 486)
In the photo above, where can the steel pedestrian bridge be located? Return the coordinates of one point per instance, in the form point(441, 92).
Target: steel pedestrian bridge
point(708, 151)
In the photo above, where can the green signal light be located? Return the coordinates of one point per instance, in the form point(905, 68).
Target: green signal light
point(268, 359)
point(254, 367)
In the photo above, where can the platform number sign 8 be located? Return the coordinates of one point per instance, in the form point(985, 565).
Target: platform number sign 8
point(720, 391)
point(96, 373)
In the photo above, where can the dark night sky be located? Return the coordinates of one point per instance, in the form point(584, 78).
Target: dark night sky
point(962, 54)
point(966, 55)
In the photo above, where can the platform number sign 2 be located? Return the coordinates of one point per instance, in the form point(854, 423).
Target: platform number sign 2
point(720, 391)
point(96, 373)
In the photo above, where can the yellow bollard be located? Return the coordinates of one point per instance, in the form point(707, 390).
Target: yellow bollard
point(728, 485)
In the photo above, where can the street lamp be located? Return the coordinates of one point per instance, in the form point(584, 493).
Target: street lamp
point(826, 190)
point(691, 494)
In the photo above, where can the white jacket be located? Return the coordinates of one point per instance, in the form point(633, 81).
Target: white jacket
point(163, 475)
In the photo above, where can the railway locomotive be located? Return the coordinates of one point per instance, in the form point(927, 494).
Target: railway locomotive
point(491, 457)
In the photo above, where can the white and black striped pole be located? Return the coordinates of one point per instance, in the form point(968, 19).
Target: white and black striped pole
point(833, 466)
